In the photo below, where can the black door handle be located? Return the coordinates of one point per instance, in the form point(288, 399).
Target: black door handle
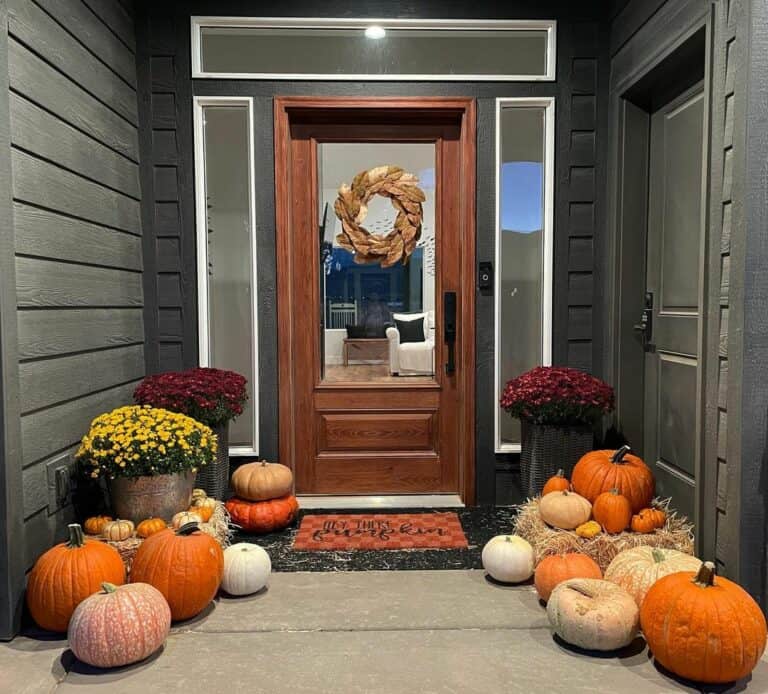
point(449, 329)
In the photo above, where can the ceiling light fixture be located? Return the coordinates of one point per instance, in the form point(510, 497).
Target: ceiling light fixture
point(375, 32)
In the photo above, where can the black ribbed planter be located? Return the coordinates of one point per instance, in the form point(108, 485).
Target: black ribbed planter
point(214, 477)
point(546, 448)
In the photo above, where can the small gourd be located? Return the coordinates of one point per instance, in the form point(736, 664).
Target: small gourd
point(207, 502)
point(184, 517)
point(589, 529)
point(198, 494)
point(118, 530)
point(150, 526)
point(95, 524)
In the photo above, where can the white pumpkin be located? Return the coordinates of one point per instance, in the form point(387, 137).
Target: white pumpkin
point(246, 569)
point(594, 614)
point(508, 558)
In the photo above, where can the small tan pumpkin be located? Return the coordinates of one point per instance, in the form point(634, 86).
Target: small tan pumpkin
point(262, 481)
point(638, 568)
point(184, 517)
point(118, 530)
point(95, 524)
point(207, 502)
point(593, 613)
point(150, 526)
point(198, 494)
point(565, 510)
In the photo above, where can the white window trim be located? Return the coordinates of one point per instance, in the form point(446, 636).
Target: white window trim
point(548, 104)
point(201, 215)
point(198, 22)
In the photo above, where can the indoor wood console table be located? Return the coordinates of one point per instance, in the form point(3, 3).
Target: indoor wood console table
point(377, 346)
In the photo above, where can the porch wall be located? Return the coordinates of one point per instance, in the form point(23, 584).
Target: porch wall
point(73, 124)
point(167, 173)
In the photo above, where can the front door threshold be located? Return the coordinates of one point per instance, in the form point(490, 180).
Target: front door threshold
point(380, 501)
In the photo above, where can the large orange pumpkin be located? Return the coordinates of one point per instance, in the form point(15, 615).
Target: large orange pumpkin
point(601, 471)
point(67, 574)
point(185, 565)
point(556, 568)
point(703, 627)
point(262, 481)
point(263, 516)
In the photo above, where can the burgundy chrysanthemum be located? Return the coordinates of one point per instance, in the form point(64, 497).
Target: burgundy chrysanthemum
point(557, 395)
point(211, 396)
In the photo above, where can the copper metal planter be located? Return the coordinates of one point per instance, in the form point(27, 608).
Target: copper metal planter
point(151, 496)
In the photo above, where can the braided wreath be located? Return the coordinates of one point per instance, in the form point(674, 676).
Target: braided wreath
point(351, 208)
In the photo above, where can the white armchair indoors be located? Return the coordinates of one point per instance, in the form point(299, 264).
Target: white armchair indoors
point(412, 353)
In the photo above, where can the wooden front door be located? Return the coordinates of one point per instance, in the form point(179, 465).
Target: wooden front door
point(363, 410)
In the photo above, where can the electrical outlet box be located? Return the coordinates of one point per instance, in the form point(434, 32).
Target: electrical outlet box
point(59, 471)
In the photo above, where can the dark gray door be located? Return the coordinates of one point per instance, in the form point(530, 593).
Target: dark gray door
point(673, 297)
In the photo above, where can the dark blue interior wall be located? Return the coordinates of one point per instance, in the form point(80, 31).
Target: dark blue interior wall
point(166, 92)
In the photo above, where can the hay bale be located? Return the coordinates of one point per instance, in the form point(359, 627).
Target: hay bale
point(677, 533)
point(218, 527)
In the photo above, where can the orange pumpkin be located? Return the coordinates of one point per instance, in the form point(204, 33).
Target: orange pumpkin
point(67, 574)
point(150, 526)
point(613, 511)
point(556, 568)
point(601, 471)
point(185, 565)
point(557, 483)
point(263, 516)
point(703, 627)
point(205, 512)
point(642, 523)
point(658, 516)
point(95, 524)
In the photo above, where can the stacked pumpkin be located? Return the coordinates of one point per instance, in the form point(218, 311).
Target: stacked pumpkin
point(615, 488)
point(263, 500)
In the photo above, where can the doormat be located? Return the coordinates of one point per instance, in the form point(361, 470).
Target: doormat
point(345, 531)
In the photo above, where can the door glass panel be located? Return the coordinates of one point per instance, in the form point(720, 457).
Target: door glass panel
point(377, 323)
point(284, 52)
point(230, 274)
point(521, 246)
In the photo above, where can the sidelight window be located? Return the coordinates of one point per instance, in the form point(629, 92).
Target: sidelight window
point(523, 290)
point(226, 250)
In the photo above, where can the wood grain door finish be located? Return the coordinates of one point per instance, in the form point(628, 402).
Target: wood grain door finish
point(403, 435)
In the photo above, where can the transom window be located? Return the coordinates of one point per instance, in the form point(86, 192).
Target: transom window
point(372, 49)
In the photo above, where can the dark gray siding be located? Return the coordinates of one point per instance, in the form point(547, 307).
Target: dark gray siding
point(77, 226)
point(167, 183)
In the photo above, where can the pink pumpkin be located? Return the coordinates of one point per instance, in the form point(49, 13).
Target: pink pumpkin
point(119, 625)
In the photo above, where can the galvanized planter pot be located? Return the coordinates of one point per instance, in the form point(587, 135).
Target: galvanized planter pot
point(546, 448)
point(151, 496)
point(214, 477)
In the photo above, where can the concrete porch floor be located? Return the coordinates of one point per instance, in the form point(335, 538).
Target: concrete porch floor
point(371, 632)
